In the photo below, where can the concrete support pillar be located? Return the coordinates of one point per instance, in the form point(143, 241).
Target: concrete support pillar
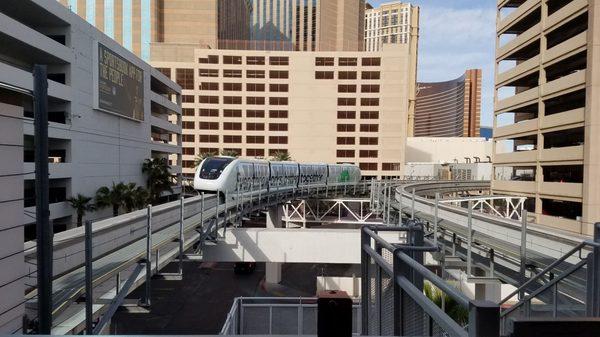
point(273, 272)
point(489, 291)
point(274, 215)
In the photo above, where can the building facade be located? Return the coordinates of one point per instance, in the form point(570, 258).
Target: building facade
point(546, 110)
point(391, 22)
point(330, 107)
point(449, 109)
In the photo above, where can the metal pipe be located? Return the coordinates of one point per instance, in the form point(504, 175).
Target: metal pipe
point(89, 296)
point(469, 236)
point(44, 229)
point(148, 255)
point(412, 207)
point(522, 269)
point(435, 218)
point(181, 238)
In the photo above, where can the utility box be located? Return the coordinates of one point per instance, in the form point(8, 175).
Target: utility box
point(334, 317)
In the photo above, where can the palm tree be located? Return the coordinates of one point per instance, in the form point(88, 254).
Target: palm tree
point(158, 177)
point(459, 313)
point(136, 197)
point(202, 156)
point(230, 153)
point(112, 197)
point(281, 156)
point(82, 205)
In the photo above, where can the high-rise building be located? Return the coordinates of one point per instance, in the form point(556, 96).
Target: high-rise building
point(153, 28)
point(391, 22)
point(449, 109)
point(546, 122)
point(316, 106)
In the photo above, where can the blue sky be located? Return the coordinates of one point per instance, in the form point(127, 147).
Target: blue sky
point(457, 35)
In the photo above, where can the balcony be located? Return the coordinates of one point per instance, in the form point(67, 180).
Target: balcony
point(165, 124)
point(516, 128)
point(570, 82)
point(574, 44)
point(516, 157)
point(570, 153)
point(563, 190)
point(527, 187)
point(522, 98)
point(521, 69)
point(165, 103)
point(574, 8)
point(520, 41)
point(563, 118)
point(523, 10)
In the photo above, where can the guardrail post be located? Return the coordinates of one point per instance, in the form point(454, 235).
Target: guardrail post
point(435, 218)
point(484, 319)
point(89, 300)
point(522, 268)
point(365, 281)
point(148, 255)
point(469, 236)
point(398, 295)
point(201, 209)
point(181, 238)
point(226, 221)
point(593, 284)
point(378, 296)
point(412, 208)
point(389, 207)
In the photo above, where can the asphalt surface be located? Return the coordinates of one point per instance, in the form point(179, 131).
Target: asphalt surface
point(200, 302)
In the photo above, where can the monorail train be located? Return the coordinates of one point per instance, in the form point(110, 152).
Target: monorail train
point(230, 176)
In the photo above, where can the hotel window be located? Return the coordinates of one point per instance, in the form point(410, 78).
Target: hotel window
point(278, 140)
point(232, 86)
point(278, 127)
point(232, 113)
point(237, 152)
point(255, 100)
point(371, 61)
point(189, 151)
point(324, 61)
point(368, 166)
point(187, 98)
point(165, 71)
point(212, 86)
point(278, 74)
point(369, 115)
point(370, 75)
point(324, 75)
point(278, 114)
point(369, 88)
point(255, 60)
point(232, 139)
point(346, 101)
point(232, 100)
point(209, 112)
point(278, 100)
point(255, 73)
point(255, 139)
point(255, 152)
point(391, 166)
point(188, 112)
point(232, 59)
point(212, 150)
point(255, 113)
point(232, 73)
point(188, 138)
point(278, 87)
point(346, 140)
point(347, 75)
point(210, 59)
point(185, 78)
point(255, 87)
point(279, 61)
point(187, 163)
point(345, 153)
point(346, 127)
point(368, 153)
point(188, 125)
point(208, 125)
point(348, 61)
point(369, 101)
point(255, 126)
point(209, 138)
point(394, 38)
point(208, 72)
point(369, 128)
point(209, 99)
point(232, 126)
point(346, 114)
point(346, 88)
point(275, 152)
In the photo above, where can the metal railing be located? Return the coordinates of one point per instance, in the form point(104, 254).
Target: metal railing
point(277, 316)
point(568, 287)
point(393, 298)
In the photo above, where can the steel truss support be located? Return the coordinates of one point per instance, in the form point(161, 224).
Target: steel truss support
point(346, 211)
point(508, 207)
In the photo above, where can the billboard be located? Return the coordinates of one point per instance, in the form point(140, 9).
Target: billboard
point(120, 85)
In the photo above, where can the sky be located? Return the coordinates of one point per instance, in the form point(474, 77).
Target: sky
point(456, 35)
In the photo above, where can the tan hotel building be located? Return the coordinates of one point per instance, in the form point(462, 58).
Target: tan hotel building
point(330, 107)
point(547, 121)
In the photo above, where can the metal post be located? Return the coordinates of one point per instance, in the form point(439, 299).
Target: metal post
point(44, 229)
point(216, 227)
point(593, 284)
point(484, 319)
point(412, 207)
point(522, 268)
point(89, 296)
point(389, 204)
point(226, 220)
point(202, 209)
point(118, 283)
point(148, 255)
point(469, 236)
point(181, 216)
point(435, 218)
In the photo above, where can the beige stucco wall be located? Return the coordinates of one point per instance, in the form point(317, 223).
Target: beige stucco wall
point(447, 150)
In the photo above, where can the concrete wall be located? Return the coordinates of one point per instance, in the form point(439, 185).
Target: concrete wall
point(446, 150)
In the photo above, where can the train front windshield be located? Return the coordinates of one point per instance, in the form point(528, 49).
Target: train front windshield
point(213, 167)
